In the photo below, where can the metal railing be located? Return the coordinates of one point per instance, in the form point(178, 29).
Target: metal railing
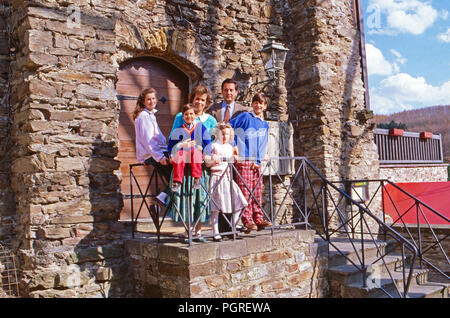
point(9, 282)
point(315, 203)
point(154, 211)
point(408, 148)
point(380, 196)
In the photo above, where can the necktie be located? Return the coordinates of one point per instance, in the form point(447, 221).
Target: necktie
point(226, 117)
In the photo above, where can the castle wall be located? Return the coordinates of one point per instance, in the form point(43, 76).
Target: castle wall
point(415, 173)
point(6, 195)
point(332, 127)
point(64, 170)
point(64, 113)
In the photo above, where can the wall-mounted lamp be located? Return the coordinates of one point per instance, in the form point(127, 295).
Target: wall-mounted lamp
point(273, 55)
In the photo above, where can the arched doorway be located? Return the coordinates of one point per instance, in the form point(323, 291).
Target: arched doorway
point(172, 86)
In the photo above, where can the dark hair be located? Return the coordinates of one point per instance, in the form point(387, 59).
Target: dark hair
point(140, 101)
point(229, 81)
point(186, 107)
point(201, 89)
point(259, 97)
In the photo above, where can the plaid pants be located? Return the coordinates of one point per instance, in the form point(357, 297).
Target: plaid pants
point(252, 213)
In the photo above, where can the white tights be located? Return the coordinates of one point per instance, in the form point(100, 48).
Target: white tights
point(215, 221)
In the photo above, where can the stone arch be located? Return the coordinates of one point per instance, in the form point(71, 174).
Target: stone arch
point(176, 49)
point(172, 86)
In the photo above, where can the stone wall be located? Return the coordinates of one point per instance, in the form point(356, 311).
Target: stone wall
point(7, 209)
point(63, 165)
point(64, 168)
point(326, 92)
point(287, 264)
point(415, 173)
point(64, 144)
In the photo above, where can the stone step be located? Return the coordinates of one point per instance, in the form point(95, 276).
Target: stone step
point(348, 273)
point(346, 279)
point(425, 290)
point(375, 288)
point(147, 224)
point(169, 226)
point(429, 290)
point(353, 253)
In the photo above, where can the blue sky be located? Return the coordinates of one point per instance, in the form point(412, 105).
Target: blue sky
point(408, 53)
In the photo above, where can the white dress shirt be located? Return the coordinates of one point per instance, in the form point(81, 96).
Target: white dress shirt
point(150, 141)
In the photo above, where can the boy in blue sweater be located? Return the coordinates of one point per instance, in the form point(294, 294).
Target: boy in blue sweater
point(187, 144)
point(251, 136)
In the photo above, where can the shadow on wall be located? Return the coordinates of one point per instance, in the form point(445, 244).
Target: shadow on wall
point(101, 266)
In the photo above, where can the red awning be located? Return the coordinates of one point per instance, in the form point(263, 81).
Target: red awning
point(434, 194)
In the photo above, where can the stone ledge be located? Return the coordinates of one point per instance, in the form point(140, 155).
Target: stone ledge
point(256, 265)
point(413, 165)
point(181, 253)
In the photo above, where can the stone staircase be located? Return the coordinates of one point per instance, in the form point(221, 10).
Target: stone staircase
point(345, 279)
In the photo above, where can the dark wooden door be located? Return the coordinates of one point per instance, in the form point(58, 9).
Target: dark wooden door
point(172, 86)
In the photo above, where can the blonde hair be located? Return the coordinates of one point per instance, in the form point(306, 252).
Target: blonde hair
point(217, 131)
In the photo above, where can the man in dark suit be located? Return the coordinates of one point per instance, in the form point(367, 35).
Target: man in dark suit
point(228, 108)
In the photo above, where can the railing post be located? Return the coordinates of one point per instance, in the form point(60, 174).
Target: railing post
point(157, 208)
point(383, 208)
point(405, 283)
point(189, 200)
point(233, 225)
point(363, 265)
point(131, 201)
point(271, 194)
point(305, 200)
point(325, 211)
point(419, 235)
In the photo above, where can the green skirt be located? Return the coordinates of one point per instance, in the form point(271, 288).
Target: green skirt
point(187, 194)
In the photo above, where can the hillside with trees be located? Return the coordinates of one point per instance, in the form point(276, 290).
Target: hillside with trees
point(435, 119)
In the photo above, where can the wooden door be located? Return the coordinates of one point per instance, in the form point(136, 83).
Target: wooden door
point(172, 87)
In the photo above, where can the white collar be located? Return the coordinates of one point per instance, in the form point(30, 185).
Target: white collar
point(224, 104)
point(260, 117)
point(153, 112)
point(203, 117)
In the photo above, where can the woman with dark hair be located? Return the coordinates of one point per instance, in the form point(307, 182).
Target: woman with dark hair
point(201, 99)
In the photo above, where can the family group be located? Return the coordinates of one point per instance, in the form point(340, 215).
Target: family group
point(206, 138)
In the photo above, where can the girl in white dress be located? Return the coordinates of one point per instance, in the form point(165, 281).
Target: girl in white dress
point(223, 188)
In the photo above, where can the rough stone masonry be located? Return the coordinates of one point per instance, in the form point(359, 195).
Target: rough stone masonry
point(59, 176)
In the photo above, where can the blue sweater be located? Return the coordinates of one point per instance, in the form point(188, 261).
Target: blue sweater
point(251, 136)
point(209, 123)
point(199, 133)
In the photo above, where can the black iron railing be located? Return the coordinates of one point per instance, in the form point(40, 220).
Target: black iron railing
point(378, 195)
point(315, 203)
